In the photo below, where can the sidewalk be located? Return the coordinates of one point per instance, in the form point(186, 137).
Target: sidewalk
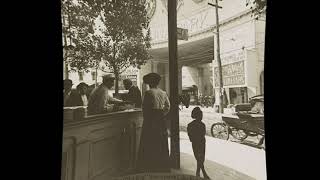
point(225, 160)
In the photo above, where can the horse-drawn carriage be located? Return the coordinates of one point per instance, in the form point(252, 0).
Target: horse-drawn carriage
point(248, 120)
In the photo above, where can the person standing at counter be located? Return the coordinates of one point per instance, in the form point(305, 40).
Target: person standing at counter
point(134, 94)
point(100, 101)
point(153, 153)
point(67, 85)
point(79, 97)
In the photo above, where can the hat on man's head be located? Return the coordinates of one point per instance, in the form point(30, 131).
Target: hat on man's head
point(152, 78)
point(127, 81)
point(108, 77)
point(82, 84)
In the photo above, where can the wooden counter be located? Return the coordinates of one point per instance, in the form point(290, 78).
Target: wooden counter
point(95, 147)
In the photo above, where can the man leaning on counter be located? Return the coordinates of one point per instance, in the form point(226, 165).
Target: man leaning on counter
point(100, 101)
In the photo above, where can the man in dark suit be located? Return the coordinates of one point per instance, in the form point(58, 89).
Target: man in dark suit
point(134, 94)
point(67, 87)
point(79, 97)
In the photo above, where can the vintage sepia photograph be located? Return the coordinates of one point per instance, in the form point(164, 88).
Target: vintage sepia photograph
point(163, 89)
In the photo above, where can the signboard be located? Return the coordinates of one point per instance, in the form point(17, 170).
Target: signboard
point(133, 78)
point(231, 57)
point(232, 74)
point(182, 34)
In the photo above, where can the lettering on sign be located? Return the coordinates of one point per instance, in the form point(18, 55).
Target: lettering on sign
point(233, 57)
point(232, 74)
point(194, 24)
point(131, 71)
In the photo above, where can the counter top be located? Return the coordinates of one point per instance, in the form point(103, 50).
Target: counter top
point(113, 113)
point(101, 117)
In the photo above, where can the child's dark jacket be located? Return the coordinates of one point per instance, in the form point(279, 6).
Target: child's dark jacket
point(196, 131)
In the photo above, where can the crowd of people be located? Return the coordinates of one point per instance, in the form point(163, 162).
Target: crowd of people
point(97, 99)
point(153, 154)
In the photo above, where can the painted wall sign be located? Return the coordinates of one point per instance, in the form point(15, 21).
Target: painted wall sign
point(232, 74)
point(193, 23)
point(233, 57)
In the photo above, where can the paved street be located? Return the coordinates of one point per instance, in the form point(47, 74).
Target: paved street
point(210, 117)
point(225, 160)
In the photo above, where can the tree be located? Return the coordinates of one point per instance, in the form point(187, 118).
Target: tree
point(120, 41)
point(258, 7)
point(125, 34)
point(82, 52)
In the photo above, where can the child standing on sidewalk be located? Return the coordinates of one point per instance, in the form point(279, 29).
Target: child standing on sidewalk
point(196, 132)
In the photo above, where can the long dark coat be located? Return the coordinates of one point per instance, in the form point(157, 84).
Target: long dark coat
point(153, 155)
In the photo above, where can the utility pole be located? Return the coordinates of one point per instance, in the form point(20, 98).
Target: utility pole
point(220, 79)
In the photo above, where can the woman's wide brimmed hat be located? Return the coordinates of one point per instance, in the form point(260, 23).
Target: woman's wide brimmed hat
point(152, 78)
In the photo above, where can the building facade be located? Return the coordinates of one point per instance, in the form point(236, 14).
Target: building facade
point(241, 48)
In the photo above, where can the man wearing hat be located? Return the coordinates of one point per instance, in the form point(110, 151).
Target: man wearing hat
point(134, 94)
point(100, 101)
point(79, 97)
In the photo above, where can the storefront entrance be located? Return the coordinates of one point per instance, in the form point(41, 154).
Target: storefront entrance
point(238, 95)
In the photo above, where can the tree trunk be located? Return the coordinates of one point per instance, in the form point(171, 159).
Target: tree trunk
point(96, 81)
point(116, 85)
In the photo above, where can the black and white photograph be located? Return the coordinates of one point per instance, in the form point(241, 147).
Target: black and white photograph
point(163, 89)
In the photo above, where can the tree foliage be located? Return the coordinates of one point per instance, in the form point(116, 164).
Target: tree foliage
point(258, 7)
point(120, 41)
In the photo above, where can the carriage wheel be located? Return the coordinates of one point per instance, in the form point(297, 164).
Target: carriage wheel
point(239, 134)
point(219, 130)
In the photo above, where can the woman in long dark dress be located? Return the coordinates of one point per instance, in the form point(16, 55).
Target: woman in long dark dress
point(153, 153)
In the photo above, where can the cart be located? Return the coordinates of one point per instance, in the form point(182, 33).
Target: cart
point(241, 124)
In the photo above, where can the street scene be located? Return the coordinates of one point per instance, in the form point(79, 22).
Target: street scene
point(163, 89)
point(210, 117)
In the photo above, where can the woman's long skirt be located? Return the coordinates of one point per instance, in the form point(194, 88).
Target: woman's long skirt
point(153, 155)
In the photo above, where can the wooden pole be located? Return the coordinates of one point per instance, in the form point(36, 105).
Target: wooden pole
point(173, 78)
point(220, 79)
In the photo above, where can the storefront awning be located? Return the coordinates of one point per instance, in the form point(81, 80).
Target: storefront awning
point(191, 53)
